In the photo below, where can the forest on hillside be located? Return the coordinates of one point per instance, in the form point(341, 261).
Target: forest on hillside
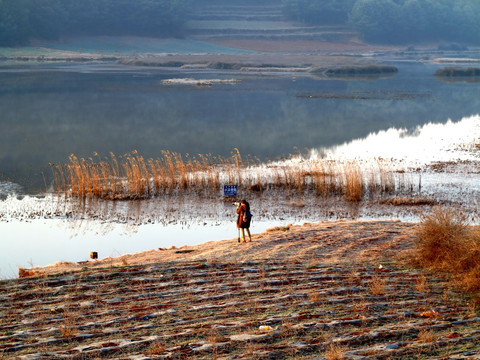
point(22, 20)
point(381, 21)
point(395, 21)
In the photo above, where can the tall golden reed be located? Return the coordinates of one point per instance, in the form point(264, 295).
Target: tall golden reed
point(354, 183)
point(132, 177)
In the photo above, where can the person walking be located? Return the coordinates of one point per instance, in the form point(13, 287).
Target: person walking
point(243, 220)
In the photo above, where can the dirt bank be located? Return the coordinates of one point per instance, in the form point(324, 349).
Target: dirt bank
point(304, 292)
point(326, 242)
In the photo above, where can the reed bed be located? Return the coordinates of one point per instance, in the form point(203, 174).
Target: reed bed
point(132, 177)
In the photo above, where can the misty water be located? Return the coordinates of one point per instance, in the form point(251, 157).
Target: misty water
point(51, 111)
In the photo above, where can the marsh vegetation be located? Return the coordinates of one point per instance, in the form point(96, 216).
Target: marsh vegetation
point(133, 177)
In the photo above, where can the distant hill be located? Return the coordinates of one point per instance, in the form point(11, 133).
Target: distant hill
point(256, 20)
point(375, 21)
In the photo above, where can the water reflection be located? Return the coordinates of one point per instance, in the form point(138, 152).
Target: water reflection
point(117, 228)
point(49, 113)
point(372, 77)
point(459, 79)
point(45, 242)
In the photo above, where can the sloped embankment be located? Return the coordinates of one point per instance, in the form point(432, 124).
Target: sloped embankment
point(290, 307)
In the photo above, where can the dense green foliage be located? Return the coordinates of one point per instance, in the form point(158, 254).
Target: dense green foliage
point(417, 20)
point(14, 22)
point(21, 20)
point(398, 21)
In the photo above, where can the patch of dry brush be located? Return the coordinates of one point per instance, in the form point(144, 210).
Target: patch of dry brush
point(446, 243)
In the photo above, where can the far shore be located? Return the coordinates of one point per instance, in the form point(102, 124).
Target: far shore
point(245, 54)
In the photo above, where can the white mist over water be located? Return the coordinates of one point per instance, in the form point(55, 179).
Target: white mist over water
point(424, 145)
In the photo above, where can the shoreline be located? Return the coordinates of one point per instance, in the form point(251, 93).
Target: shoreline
point(253, 52)
point(327, 242)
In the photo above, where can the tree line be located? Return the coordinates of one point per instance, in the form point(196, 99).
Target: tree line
point(22, 20)
point(394, 21)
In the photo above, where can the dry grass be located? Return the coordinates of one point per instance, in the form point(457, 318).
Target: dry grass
point(280, 228)
point(427, 336)
point(22, 273)
point(446, 243)
point(377, 286)
point(207, 307)
point(68, 328)
point(314, 297)
point(421, 284)
point(360, 307)
point(132, 177)
point(354, 184)
point(335, 352)
point(156, 349)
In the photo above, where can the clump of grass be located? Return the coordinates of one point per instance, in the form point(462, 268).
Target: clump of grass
point(214, 337)
point(124, 261)
point(377, 286)
point(298, 204)
point(314, 297)
point(427, 336)
point(132, 177)
point(335, 352)
point(354, 184)
point(156, 349)
point(23, 273)
point(421, 284)
point(68, 328)
point(386, 182)
point(446, 243)
point(360, 307)
point(452, 72)
point(280, 228)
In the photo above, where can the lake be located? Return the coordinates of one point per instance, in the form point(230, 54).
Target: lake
point(48, 112)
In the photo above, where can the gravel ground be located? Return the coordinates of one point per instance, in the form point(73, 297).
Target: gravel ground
point(330, 290)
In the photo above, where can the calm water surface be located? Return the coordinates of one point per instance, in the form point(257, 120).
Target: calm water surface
point(50, 112)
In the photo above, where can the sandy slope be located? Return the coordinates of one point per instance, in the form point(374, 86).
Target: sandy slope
point(325, 242)
point(309, 292)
